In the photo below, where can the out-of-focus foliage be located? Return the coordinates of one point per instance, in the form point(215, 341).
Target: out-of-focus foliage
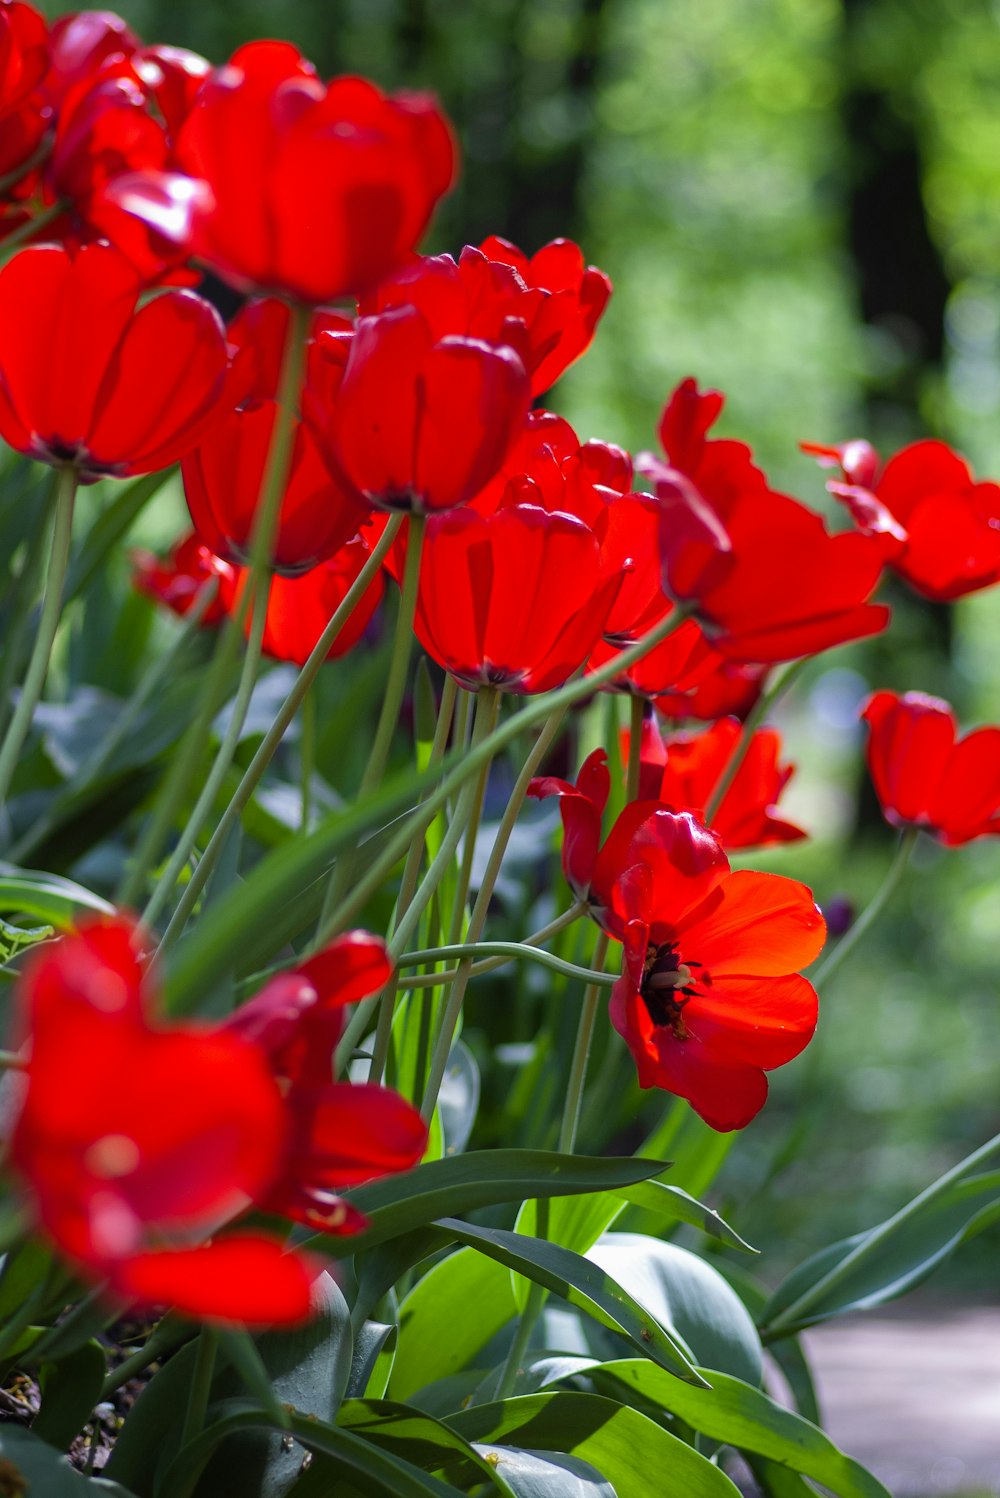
point(713, 159)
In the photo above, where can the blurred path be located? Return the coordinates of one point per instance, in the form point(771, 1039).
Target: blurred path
point(915, 1398)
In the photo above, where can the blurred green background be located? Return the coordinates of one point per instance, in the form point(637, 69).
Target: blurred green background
point(798, 202)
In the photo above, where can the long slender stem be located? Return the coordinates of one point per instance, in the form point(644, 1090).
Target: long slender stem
point(170, 1333)
point(872, 911)
point(272, 490)
point(255, 770)
point(487, 712)
point(502, 951)
point(399, 665)
point(477, 920)
point(38, 666)
point(754, 719)
point(213, 783)
point(581, 1050)
point(162, 670)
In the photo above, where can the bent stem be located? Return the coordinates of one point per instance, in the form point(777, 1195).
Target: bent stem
point(765, 702)
point(48, 624)
point(872, 911)
point(477, 920)
point(500, 952)
point(254, 772)
point(216, 776)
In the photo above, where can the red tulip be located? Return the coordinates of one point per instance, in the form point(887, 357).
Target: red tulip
point(710, 998)
point(937, 527)
point(300, 608)
point(344, 179)
point(514, 600)
point(340, 1134)
point(175, 1130)
point(927, 777)
point(88, 379)
point(82, 44)
point(178, 579)
point(546, 307)
point(410, 421)
point(548, 465)
point(765, 578)
point(728, 690)
point(24, 61)
point(683, 772)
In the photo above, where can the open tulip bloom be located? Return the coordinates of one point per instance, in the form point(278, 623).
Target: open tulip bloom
point(293, 1085)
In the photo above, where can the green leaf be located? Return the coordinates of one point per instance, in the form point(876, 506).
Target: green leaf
point(587, 1286)
point(465, 1278)
point(47, 897)
point(15, 939)
point(420, 1439)
point(70, 1389)
point(741, 1416)
point(674, 1204)
point(787, 1353)
point(458, 1100)
point(375, 1471)
point(374, 1360)
point(683, 1292)
point(44, 1472)
point(483, 1178)
point(110, 529)
point(637, 1456)
point(871, 1268)
point(152, 1430)
point(530, 1474)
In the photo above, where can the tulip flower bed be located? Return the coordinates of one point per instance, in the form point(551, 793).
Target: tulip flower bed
point(252, 1242)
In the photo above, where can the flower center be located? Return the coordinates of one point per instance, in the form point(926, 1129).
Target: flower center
point(667, 985)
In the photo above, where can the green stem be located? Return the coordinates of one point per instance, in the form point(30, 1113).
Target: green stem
point(787, 1321)
point(24, 591)
point(637, 709)
point(255, 770)
point(273, 482)
point(30, 228)
point(163, 670)
point(12, 1061)
point(399, 665)
point(477, 920)
point(48, 624)
point(581, 1050)
point(170, 1333)
point(502, 952)
point(765, 702)
point(216, 776)
point(871, 913)
point(487, 713)
point(533, 1307)
point(308, 756)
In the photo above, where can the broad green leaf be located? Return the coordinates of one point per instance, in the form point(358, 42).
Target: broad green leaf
point(637, 1456)
point(788, 1352)
point(734, 1412)
point(483, 1178)
point(587, 1285)
point(466, 1279)
point(308, 1367)
point(871, 1268)
point(372, 1469)
point(683, 1292)
point(47, 897)
point(43, 1471)
point(779, 1482)
point(420, 1439)
point(70, 1388)
point(530, 1474)
point(152, 1431)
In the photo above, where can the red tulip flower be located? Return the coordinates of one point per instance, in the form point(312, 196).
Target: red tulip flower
point(683, 771)
point(82, 44)
point(729, 689)
point(411, 421)
point(24, 61)
point(710, 998)
point(765, 578)
point(344, 181)
point(178, 579)
point(340, 1134)
point(514, 600)
point(937, 527)
point(925, 775)
point(175, 1130)
point(548, 465)
point(90, 380)
point(547, 307)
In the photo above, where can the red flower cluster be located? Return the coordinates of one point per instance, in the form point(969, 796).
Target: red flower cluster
point(130, 1190)
point(710, 998)
point(936, 526)
point(925, 775)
